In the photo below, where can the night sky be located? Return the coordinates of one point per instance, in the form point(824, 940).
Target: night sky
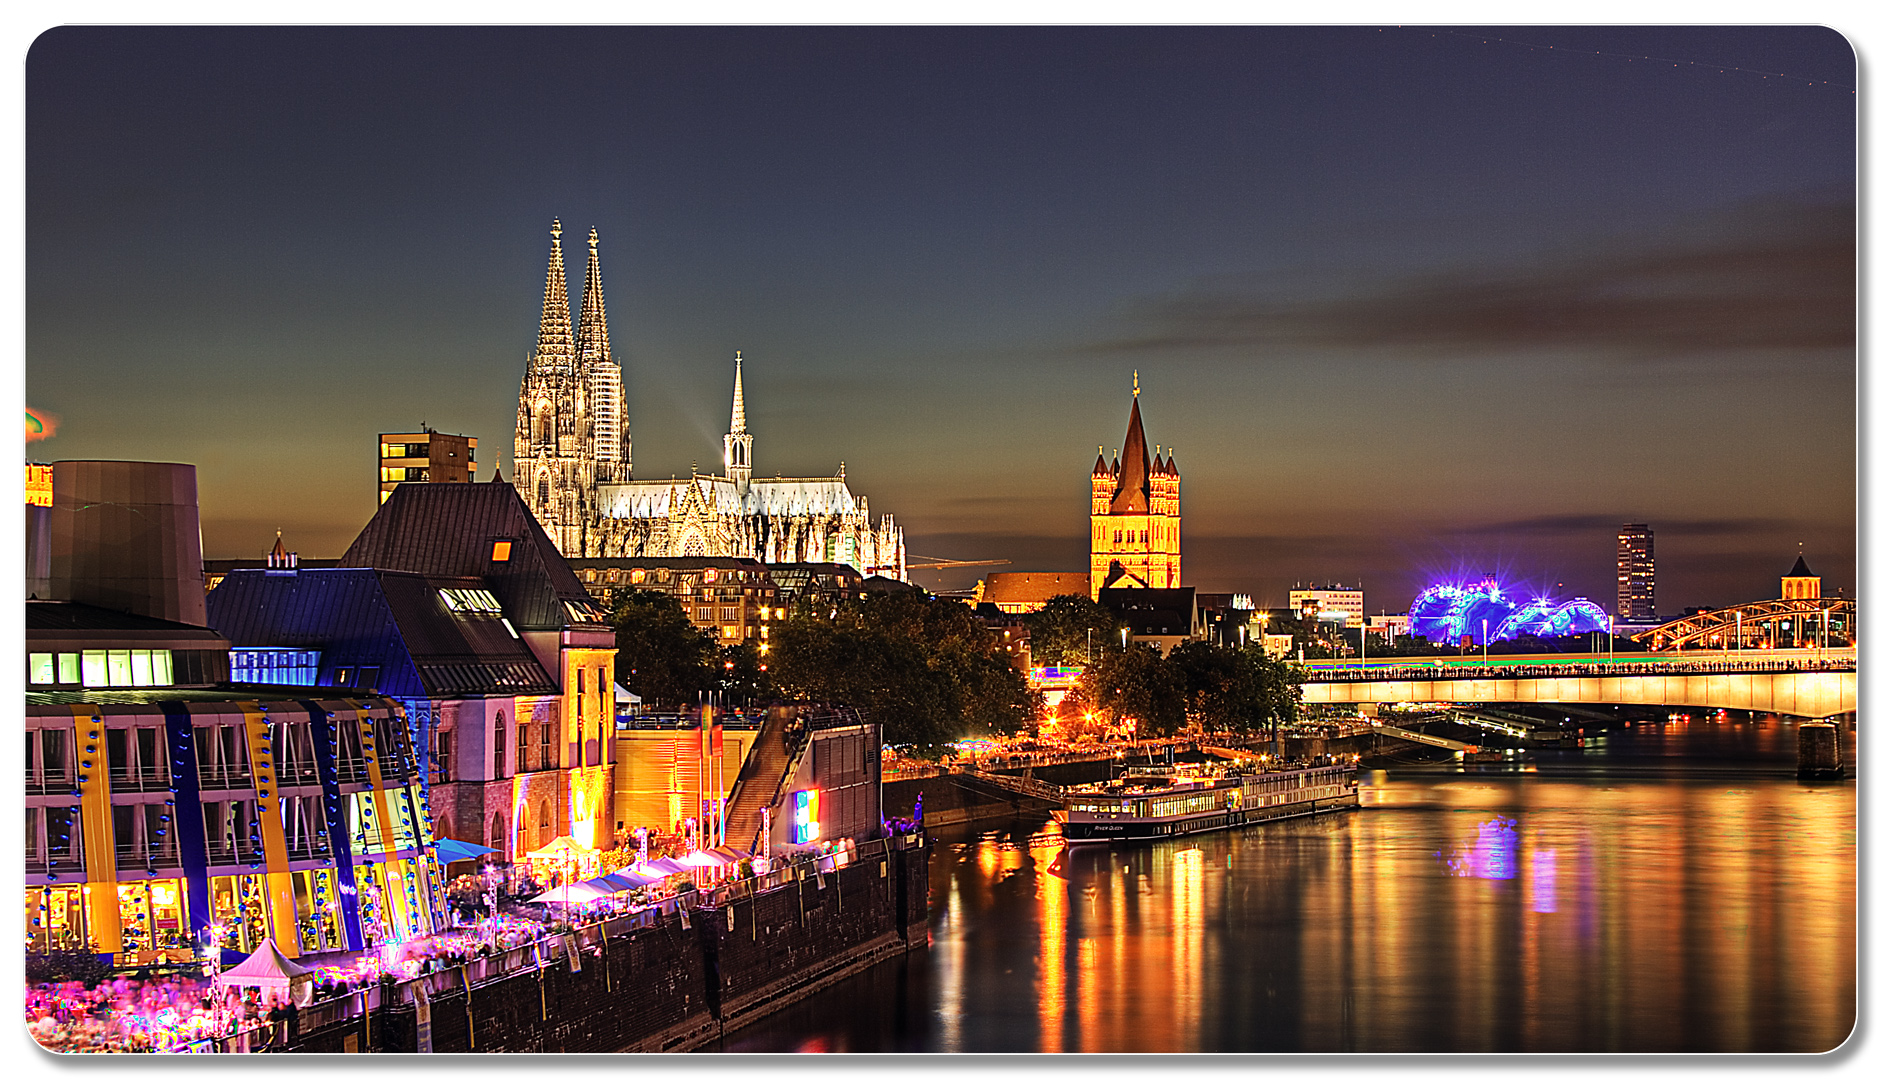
point(1406, 302)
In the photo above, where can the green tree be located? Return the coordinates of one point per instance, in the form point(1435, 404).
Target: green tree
point(1060, 632)
point(1236, 689)
point(1137, 690)
point(745, 673)
point(925, 668)
point(659, 653)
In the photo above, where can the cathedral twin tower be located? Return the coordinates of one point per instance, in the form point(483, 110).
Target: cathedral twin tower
point(572, 425)
point(574, 464)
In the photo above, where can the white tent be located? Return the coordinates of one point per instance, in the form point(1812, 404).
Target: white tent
point(267, 968)
point(623, 696)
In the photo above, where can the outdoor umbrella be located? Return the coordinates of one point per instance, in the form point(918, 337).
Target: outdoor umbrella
point(450, 851)
point(631, 877)
point(579, 893)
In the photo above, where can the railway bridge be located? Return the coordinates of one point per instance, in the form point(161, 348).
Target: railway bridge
point(1810, 683)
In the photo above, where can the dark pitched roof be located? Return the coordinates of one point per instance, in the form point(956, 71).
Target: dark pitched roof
point(1134, 481)
point(1799, 569)
point(68, 615)
point(1153, 611)
point(449, 530)
point(394, 621)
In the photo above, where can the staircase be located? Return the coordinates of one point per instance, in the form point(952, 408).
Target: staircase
point(1422, 737)
point(1021, 785)
point(760, 779)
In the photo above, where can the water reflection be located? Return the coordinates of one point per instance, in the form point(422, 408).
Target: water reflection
point(1563, 916)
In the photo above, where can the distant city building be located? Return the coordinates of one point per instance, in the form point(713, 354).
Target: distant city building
point(425, 457)
point(1020, 593)
point(1336, 603)
point(1634, 575)
point(1801, 583)
point(573, 465)
point(1160, 618)
point(1137, 537)
point(1225, 617)
point(735, 600)
point(1389, 627)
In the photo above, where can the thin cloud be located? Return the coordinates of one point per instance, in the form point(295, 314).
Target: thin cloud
point(1775, 275)
point(1572, 524)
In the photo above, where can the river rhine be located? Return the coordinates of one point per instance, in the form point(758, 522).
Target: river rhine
point(1670, 889)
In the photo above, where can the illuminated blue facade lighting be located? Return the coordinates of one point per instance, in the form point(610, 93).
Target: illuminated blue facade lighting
point(1449, 611)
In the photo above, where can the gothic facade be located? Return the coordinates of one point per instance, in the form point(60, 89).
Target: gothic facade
point(574, 465)
point(1137, 533)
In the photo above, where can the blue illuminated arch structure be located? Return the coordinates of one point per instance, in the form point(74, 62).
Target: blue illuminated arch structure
point(1448, 611)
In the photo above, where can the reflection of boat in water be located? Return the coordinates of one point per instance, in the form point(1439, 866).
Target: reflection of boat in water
point(1146, 804)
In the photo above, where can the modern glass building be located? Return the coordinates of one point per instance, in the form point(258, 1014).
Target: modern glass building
point(161, 823)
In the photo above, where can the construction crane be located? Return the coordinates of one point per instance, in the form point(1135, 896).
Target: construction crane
point(949, 564)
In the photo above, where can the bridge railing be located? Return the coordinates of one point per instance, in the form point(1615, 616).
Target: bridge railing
point(1581, 669)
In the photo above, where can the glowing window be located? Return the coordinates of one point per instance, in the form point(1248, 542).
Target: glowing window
point(391, 450)
point(68, 666)
point(39, 668)
point(500, 551)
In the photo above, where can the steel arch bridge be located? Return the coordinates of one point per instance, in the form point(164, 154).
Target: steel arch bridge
point(1835, 618)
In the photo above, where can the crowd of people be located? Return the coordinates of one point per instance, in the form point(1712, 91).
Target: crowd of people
point(124, 1014)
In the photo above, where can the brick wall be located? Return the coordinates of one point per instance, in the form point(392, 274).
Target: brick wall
point(675, 985)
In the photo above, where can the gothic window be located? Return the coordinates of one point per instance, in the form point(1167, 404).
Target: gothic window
point(542, 489)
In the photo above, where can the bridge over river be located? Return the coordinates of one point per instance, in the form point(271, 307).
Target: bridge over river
point(1813, 683)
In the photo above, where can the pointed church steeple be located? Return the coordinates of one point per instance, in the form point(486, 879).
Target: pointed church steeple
point(738, 392)
point(601, 376)
point(738, 441)
point(555, 345)
point(591, 342)
point(1134, 465)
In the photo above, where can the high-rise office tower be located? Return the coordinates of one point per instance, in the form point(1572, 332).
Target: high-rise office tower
point(429, 457)
point(1634, 574)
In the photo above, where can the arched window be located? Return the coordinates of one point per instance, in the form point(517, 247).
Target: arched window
point(542, 489)
point(503, 739)
point(545, 825)
point(443, 829)
point(498, 838)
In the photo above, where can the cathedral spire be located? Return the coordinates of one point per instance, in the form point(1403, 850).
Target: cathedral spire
point(738, 441)
point(555, 346)
point(601, 376)
point(592, 337)
point(738, 392)
point(1134, 462)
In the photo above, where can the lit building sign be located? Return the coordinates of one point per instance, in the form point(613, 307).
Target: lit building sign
point(804, 828)
point(38, 485)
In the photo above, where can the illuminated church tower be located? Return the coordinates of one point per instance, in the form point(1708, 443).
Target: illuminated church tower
point(572, 425)
point(1136, 528)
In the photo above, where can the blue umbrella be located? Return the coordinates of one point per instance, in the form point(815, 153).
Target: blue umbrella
point(450, 851)
point(630, 878)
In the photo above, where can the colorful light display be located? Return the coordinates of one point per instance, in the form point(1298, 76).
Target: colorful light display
point(1448, 612)
point(805, 828)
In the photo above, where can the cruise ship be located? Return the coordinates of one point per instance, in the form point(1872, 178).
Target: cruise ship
point(1149, 804)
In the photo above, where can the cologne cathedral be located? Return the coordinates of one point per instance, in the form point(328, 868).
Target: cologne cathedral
point(574, 465)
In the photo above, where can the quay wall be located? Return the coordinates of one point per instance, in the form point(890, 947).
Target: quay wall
point(683, 981)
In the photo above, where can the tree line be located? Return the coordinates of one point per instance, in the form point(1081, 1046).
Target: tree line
point(931, 672)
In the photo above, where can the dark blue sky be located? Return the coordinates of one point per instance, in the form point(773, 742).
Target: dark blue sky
point(1405, 301)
